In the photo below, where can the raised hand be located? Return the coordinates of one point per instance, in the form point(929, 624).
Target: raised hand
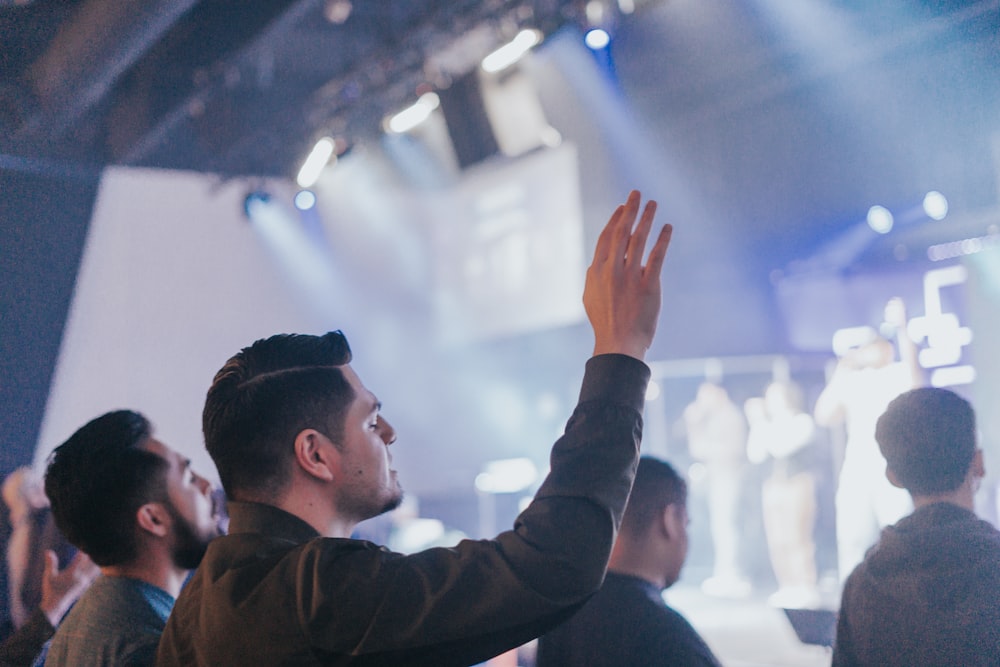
point(61, 588)
point(621, 295)
point(895, 313)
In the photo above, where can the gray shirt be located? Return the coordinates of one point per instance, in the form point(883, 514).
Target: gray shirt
point(118, 621)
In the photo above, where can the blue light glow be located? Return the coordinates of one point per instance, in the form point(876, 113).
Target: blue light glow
point(880, 219)
point(305, 200)
point(597, 39)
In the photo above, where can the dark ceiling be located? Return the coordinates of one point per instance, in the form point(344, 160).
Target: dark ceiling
point(769, 126)
point(229, 87)
point(242, 88)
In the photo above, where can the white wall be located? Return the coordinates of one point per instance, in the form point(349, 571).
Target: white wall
point(173, 281)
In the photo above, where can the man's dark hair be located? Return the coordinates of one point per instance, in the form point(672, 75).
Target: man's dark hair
point(263, 398)
point(97, 481)
point(928, 439)
point(656, 486)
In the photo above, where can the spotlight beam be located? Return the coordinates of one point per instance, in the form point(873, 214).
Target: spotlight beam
point(511, 52)
point(313, 166)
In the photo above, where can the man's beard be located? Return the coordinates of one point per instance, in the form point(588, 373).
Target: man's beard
point(189, 547)
point(393, 503)
point(372, 510)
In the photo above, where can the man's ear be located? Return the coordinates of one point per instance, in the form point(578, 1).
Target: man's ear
point(154, 518)
point(316, 455)
point(670, 520)
point(978, 467)
point(891, 476)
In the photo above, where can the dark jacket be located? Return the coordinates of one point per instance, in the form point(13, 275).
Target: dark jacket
point(927, 594)
point(273, 592)
point(626, 624)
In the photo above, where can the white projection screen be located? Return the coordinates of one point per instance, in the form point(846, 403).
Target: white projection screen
point(172, 282)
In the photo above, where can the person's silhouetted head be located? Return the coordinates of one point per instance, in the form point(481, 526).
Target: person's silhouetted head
point(928, 439)
point(654, 526)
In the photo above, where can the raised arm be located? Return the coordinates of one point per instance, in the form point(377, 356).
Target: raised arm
point(895, 314)
point(527, 579)
point(622, 295)
point(829, 409)
point(61, 588)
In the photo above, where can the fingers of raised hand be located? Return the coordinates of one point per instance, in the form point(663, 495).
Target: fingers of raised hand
point(614, 238)
point(83, 568)
point(603, 248)
point(637, 241)
point(656, 256)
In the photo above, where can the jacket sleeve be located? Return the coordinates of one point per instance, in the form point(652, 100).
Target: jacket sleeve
point(461, 605)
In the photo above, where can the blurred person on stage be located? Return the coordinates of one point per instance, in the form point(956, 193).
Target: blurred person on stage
point(782, 436)
point(717, 435)
point(866, 379)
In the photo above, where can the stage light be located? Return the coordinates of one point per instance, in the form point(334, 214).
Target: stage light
point(594, 11)
point(935, 205)
point(314, 164)
point(880, 219)
point(597, 39)
point(304, 200)
point(254, 202)
point(337, 11)
point(410, 117)
point(511, 52)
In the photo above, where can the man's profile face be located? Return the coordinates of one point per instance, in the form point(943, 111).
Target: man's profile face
point(369, 486)
point(190, 503)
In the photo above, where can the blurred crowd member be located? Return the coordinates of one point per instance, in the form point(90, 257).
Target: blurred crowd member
point(866, 379)
point(136, 507)
point(628, 622)
point(929, 592)
point(60, 589)
point(717, 436)
point(303, 453)
point(782, 435)
point(33, 533)
point(22, 494)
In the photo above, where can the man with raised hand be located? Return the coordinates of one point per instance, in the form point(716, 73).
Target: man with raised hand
point(302, 452)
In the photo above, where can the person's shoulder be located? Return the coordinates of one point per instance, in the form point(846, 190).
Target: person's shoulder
point(140, 652)
point(680, 643)
point(675, 621)
point(99, 596)
point(854, 581)
point(120, 602)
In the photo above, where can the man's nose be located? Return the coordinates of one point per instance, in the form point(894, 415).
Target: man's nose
point(388, 432)
point(204, 485)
